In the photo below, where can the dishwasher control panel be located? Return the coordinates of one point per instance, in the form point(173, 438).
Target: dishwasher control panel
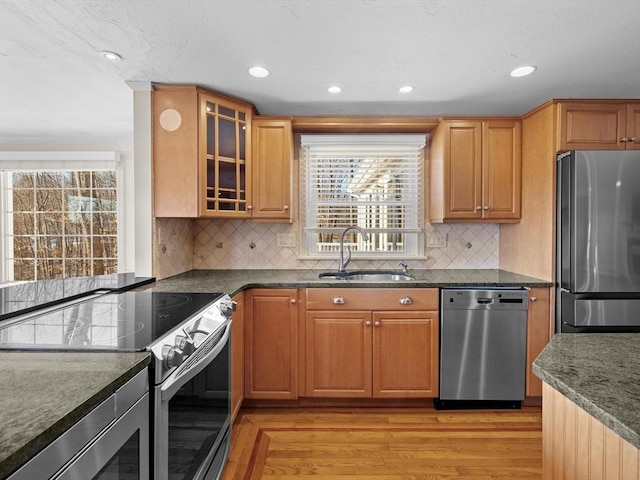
point(464, 299)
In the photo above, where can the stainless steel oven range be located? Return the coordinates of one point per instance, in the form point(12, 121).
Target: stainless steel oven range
point(188, 336)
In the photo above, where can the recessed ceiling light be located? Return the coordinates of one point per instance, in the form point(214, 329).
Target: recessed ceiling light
point(259, 72)
point(113, 56)
point(406, 89)
point(334, 89)
point(523, 71)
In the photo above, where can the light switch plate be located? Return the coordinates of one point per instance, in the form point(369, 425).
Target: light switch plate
point(286, 240)
point(437, 240)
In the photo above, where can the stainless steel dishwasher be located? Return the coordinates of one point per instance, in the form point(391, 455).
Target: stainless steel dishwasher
point(483, 335)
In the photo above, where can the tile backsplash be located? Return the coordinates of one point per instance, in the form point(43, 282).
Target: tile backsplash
point(185, 244)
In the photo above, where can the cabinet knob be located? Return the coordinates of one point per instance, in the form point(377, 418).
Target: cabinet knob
point(339, 301)
point(534, 299)
point(294, 301)
point(249, 207)
point(285, 208)
point(624, 139)
point(486, 207)
point(406, 301)
point(478, 207)
point(376, 324)
point(367, 323)
point(633, 139)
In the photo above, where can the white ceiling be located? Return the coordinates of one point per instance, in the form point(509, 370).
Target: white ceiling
point(456, 53)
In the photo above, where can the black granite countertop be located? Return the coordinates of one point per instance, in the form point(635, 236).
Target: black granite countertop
point(23, 297)
point(234, 281)
point(600, 373)
point(43, 394)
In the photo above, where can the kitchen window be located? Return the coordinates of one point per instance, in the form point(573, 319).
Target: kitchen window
point(58, 223)
point(372, 181)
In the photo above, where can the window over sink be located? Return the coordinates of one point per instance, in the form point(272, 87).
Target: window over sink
point(374, 182)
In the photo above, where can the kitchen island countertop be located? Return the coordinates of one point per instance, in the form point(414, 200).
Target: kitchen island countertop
point(234, 281)
point(600, 373)
point(45, 393)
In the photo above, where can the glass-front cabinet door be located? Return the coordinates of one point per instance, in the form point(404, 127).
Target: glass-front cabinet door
point(225, 158)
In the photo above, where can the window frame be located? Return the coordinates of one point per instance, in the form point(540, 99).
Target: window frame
point(12, 161)
point(414, 236)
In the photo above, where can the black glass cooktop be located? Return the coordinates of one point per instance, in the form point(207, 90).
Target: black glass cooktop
point(127, 321)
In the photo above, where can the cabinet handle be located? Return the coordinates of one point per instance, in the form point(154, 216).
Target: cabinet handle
point(633, 139)
point(293, 301)
point(339, 301)
point(249, 207)
point(486, 207)
point(367, 323)
point(285, 208)
point(534, 299)
point(478, 207)
point(406, 301)
point(376, 324)
point(624, 139)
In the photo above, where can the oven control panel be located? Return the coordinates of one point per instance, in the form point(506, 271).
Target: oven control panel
point(176, 346)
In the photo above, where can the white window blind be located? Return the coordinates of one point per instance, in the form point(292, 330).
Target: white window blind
point(372, 181)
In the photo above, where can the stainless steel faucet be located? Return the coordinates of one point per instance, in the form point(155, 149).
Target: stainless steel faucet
point(343, 262)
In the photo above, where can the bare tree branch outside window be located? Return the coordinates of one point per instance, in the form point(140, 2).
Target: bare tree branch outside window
point(64, 224)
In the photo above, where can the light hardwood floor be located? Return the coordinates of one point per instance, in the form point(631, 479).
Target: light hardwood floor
point(386, 444)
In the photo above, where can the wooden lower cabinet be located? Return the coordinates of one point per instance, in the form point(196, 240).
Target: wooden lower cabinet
point(237, 356)
point(271, 344)
point(405, 354)
point(575, 445)
point(338, 354)
point(371, 353)
point(538, 335)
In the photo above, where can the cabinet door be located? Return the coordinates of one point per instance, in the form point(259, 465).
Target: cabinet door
point(338, 354)
point(225, 158)
point(271, 344)
point(501, 169)
point(237, 356)
point(405, 354)
point(462, 169)
point(272, 148)
point(591, 126)
point(633, 126)
point(538, 328)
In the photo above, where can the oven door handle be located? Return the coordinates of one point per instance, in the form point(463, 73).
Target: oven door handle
point(194, 364)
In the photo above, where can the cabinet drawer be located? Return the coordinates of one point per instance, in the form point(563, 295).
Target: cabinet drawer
point(372, 298)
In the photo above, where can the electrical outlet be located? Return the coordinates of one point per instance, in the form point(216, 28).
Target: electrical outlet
point(286, 240)
point(437, 240)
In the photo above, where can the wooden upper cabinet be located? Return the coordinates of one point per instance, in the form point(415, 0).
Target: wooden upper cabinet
point(475, 171)
point(633, 126)
point(272, 149)
point(501, 170)
point(201, 153)
point(588, 125)
point(175, 151)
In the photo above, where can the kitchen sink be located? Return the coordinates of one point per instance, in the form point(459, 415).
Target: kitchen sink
point(375, 276)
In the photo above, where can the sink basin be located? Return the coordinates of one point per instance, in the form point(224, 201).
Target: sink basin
point(375, 276)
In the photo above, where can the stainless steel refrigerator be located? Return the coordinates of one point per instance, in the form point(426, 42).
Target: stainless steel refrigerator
point(598, 242)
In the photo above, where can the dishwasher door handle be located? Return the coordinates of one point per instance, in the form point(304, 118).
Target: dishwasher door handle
point(485, 301)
